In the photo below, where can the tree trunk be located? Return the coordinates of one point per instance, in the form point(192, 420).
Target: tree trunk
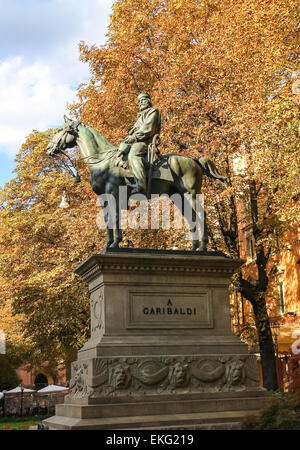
point(255, 293)
point(266, 346)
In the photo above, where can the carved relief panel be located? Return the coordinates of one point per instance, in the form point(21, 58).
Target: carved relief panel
point(97, 311)
point(139, 376)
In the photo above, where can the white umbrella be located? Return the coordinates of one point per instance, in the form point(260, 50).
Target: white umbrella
point(18, 389)
point(52, 388)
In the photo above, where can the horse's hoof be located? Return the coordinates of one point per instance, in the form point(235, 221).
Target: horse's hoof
point(104, 250)
point(115, 245)
point(195, 246)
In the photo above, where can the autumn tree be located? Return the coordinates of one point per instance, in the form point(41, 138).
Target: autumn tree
point(44, 307)
point(41, 244)
point(221, 73)
point(8, 376)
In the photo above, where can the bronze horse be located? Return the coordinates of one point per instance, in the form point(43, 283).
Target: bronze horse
point(172, 174)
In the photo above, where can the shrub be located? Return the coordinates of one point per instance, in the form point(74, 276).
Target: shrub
point(294, 386)
point(278, 414)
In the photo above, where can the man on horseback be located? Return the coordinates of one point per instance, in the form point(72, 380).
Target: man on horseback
point(140, 136)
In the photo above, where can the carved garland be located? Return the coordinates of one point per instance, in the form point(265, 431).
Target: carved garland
point(131, 376)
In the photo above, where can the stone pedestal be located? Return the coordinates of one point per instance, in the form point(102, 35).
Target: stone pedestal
point(161, 352)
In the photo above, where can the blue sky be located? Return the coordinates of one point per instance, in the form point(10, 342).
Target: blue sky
point(39, 65)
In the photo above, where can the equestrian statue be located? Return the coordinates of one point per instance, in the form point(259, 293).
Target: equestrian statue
point(138, 165)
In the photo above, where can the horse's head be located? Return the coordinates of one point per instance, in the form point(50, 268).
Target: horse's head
point(64, 138)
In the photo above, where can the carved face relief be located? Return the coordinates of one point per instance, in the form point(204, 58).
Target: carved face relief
point(235, 373)
point(179, 377)
point(120, 376)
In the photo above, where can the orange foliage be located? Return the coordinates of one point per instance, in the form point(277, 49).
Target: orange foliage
point(222, 74)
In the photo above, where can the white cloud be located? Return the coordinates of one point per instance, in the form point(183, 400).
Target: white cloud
point(31, 96)
point(39, 66)
point(36, 27)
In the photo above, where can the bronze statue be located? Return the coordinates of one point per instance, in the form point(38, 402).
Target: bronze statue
point(139, 138)
point(172, 174)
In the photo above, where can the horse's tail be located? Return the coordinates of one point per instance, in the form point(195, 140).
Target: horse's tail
point(209, 169)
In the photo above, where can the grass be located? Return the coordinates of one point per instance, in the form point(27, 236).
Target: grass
point(20, 423)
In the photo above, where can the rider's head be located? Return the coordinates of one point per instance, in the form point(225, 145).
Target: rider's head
point(144, 101)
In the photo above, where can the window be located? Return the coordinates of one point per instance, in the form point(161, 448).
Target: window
point(40, 381)
point(249, 247)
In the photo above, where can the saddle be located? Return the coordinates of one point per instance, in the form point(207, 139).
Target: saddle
point(152, 157)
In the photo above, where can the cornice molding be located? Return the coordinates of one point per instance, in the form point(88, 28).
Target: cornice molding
point(145, 263)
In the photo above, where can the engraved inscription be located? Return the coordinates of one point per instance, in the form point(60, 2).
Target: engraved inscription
point(162, 310)
point(169, 310)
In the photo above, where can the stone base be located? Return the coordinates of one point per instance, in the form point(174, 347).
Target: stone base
point(161, 354)
point(215, 410)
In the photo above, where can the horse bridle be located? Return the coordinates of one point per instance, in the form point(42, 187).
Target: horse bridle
point(73, 129)
point(74, 165)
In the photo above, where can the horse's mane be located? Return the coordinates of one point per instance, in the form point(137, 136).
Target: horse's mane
point(104, 149)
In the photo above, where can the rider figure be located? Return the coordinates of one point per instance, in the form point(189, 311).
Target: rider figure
point(139, 137)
